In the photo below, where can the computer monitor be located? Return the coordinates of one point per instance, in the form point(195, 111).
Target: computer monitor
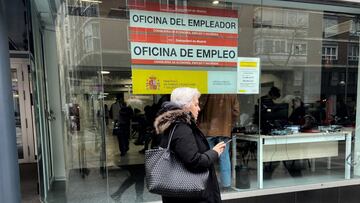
point(272, 116)
point(274, 112)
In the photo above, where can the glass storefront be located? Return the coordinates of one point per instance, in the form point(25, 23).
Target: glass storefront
point(297, 118)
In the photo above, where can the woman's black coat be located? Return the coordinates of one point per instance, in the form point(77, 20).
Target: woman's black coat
point(191, 147)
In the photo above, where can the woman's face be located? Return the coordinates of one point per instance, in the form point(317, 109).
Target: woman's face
point(297, 103)
point(194, 107)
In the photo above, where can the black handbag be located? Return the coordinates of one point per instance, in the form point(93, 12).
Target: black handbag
point(167, 176)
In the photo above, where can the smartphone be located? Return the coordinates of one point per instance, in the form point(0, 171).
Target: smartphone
point(227, 142)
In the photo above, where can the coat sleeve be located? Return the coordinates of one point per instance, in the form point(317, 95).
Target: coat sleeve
point(186, 149)
point(111, 112)
point(235, 110)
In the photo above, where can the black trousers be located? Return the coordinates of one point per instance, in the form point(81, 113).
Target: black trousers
point(123, 135)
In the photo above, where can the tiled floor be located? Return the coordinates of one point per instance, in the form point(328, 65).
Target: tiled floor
point(123, 179)
point(86, 149)
point(126, 184)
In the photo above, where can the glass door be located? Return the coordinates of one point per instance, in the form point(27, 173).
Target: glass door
point(23, 113)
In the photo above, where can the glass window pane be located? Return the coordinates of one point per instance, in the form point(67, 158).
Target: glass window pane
point(307, 90)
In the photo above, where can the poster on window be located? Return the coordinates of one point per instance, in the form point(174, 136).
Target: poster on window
point(248, 75)
point(159, 81)
point(152, 81)
point(182, 35)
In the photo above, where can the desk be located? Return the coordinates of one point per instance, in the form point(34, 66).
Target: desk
point(296, 146)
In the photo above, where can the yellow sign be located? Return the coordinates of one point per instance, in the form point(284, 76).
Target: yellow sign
point(248, 75)
point(146, 81)
point(248, 64)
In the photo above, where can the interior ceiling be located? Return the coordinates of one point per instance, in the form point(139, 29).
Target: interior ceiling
point(17, 30)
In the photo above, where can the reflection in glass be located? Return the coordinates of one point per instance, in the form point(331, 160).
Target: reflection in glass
point(302, 53)
point(305, 58)
point(15, 91)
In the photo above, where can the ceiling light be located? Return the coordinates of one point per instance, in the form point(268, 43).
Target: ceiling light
point(215, 2)
point(105, 72)
point(92, 1)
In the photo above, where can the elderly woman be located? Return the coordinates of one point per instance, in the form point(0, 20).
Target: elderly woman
point(188, 143)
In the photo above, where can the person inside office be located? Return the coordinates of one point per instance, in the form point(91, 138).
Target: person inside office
point(264, 104)
point(298, 112)
point(217, 118)
point(273, 118)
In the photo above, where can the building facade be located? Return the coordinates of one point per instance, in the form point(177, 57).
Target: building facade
point(302, 146)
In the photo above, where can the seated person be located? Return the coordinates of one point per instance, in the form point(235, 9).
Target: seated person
point(273, 94)
point(272, 115)
point(342, 116)
point(319, 112)
point(298, 113)
point(275, 116)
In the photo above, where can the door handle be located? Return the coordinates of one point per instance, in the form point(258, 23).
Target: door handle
point(51, 116)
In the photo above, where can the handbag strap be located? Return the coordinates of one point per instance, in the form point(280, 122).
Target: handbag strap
point(170, 137)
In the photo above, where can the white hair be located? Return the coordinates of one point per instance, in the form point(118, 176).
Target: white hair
point(183, 96)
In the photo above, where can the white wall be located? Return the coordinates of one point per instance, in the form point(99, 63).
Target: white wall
point(357, 132)
point(56, 129)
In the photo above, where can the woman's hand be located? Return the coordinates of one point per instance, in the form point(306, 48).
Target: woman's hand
point(219, 148)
